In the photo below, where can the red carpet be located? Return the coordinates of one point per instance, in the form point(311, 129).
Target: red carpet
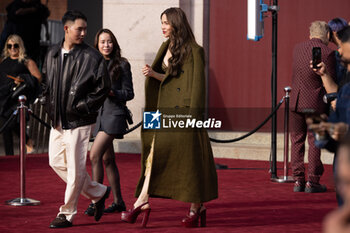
point(248, 201)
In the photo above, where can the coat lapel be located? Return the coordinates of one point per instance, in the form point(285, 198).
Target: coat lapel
point(157, 63)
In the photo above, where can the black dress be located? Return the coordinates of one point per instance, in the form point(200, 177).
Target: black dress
point(8, 104)
point(112, 115)
point(14, 68)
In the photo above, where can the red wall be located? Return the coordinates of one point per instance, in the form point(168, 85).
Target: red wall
point(240, 70)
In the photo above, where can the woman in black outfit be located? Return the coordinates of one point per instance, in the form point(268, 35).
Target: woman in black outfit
point(16, 68)
point(111, 121)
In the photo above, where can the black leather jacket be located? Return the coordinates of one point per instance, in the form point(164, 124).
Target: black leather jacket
point(74, 94)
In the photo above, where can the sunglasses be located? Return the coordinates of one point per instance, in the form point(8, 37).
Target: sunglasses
point(9, 46)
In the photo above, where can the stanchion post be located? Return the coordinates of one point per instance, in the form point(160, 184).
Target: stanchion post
point(22, 145)
point(274, 93)
point(22, 201)
point(286, 178)
point(286, 133)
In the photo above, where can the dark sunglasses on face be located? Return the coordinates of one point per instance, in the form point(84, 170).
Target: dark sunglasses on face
point(9, 46)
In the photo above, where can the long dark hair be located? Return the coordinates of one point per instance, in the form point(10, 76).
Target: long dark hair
point(181, 37)
point(114, 56)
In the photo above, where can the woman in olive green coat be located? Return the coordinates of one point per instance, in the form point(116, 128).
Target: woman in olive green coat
point(177, 163)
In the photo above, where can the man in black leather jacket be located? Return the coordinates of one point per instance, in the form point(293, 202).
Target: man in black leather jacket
point(75, 85)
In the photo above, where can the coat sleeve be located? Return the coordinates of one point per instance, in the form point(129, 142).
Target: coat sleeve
point(198, 91)
point(45, 87)
point(127, 91)
point(97, 96)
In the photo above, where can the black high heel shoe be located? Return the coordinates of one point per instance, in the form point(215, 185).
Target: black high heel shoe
point(130, 216)
point(116, 207)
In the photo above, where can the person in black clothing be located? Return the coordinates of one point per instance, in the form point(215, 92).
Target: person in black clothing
point(24, 18)
point(16, 69)
point(335, 25)
point(111, 121)
point(338, 122)
point(75, 85)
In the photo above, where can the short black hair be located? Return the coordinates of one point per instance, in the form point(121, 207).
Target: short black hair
point(344, 34)
point(72, 16)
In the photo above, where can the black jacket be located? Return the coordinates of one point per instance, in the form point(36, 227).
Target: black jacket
point(112, 115)
point(76, 92)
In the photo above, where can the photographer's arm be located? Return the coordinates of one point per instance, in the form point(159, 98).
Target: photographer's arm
point(327, 80)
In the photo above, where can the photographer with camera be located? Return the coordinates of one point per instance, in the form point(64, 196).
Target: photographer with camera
point(341, 78)
point(336, 128)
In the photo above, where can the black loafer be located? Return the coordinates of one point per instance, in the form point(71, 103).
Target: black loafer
point(60, 222)
point(116, 207)
point(100, 205)
point(315, 188)
point(90, 210)
point(299, 186)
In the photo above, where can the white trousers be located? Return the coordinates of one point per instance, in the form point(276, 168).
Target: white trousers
point(67, 157)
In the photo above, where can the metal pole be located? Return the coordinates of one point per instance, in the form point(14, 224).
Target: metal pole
point(274, 93)
point(286, 178)
point(22, 145)
point(22, 201)
point(286, 131)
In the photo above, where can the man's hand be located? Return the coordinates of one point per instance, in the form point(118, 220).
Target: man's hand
point(336, 130)
point(321, 71)
point(328, 82)
point(319, 129)
point(334, 104)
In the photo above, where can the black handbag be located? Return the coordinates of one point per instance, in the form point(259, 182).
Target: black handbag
point(128, 115)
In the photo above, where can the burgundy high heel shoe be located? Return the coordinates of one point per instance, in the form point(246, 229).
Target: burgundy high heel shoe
point(130, 216)
point(192, 219)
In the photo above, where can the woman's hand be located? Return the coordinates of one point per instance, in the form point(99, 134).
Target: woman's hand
point(147, 71)
point(18, 80)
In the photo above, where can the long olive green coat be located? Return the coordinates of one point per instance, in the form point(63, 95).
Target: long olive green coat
point(183, 167)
